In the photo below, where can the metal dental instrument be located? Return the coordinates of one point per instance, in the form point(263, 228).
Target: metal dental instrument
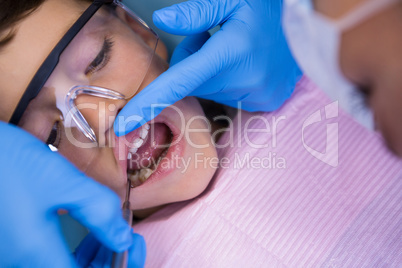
point(120, 259)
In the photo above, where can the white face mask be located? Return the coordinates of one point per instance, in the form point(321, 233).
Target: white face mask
point(315, 43)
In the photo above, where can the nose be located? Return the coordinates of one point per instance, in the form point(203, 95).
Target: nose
point(100, 114)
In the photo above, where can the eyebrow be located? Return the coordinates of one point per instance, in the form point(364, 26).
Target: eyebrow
point(4, 41)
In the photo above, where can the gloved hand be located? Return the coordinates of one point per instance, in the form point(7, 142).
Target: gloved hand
point(34, 184)
point(247, 60)
point(90, 253)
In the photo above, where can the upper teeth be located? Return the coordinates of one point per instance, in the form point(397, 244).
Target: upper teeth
point(143, 133)
point(138, 142)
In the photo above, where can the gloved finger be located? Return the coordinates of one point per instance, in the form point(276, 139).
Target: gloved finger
point(173, 85)
point(98, 209)
point(257, 100)
point(103, 257)
point(92, 204)
point(86, 251)
point(137, 252)
point(193, 17)
point(189, 46)
point(45, 246)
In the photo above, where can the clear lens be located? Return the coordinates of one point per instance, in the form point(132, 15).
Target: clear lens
point(103, 66)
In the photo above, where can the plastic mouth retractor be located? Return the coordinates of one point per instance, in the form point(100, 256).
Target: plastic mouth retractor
point(77, 116)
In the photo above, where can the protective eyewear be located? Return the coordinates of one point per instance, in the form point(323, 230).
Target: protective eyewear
point(99, 63)
point(98, 15)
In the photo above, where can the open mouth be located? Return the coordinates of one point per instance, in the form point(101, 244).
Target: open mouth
point(147, 152)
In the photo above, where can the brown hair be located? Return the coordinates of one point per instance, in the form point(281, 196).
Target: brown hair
point(11, 12)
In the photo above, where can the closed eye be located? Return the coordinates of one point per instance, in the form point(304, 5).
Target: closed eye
point(102, 58)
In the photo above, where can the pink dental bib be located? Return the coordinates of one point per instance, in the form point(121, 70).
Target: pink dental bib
point(323, 192)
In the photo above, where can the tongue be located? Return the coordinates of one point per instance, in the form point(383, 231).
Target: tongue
point(157, 141)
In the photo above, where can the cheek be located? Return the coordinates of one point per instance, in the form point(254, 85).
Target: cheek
point(335, 9)
point(388, 111)
point(105, 170)
point(98, 163)
point(355, 56)
point(128, 65)
point(156, 68)
point(200, 153)
point(204, 168)
point(161, 50)
point(194, 175)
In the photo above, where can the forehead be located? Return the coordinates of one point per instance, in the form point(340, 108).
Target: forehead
point(35, 37)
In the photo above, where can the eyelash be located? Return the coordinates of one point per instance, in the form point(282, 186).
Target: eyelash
point(102, 59)
point(54, 135)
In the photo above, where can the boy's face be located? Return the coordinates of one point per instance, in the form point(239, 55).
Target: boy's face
point(370, 57)
point(180, 168)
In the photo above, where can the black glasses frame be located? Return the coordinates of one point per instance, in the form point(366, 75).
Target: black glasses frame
point(50, 63)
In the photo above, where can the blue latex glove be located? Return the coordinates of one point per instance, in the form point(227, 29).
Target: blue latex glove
point(34, 184)
point(91, 253)
point(247, 60)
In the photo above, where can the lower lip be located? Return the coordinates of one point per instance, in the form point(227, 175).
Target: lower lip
point(167, 164)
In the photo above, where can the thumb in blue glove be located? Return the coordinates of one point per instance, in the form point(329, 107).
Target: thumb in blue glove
point(247, 60)
point(35, 183)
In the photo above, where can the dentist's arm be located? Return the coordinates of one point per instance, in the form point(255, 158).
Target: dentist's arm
point(247, 60)
point(34, 184)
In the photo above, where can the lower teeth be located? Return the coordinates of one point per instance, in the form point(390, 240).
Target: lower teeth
point(139, 176)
